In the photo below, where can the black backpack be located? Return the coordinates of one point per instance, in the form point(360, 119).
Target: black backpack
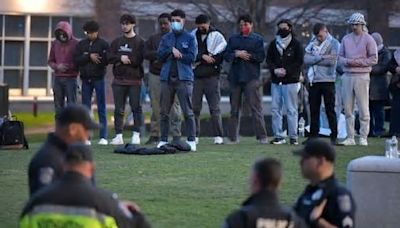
point(12, 135)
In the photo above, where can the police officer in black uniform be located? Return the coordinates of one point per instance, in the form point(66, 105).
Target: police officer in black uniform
point(324, 202)
point(72, 125)
point(262, 208)
point(73, 200)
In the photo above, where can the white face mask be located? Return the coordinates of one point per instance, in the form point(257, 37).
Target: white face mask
point(176, 26)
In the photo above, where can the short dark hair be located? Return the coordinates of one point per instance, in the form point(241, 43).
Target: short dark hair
point(178, 13)
point(268, 171)
point(318, 27)
point(75, 113)
point(91, 26)
point(127, 18)
point(165, 15)
point(245, 18)
point(78, 153)
point(202, 19)
point(285, 21)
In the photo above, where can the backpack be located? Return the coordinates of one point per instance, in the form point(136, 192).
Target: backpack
point(12, 135)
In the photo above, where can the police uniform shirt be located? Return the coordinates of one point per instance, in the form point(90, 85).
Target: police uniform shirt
point(339, 209)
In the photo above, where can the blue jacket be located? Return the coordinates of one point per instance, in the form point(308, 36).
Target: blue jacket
point(187, 45)
point(244, 71)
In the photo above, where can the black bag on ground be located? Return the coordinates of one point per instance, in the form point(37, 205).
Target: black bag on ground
point(12, 135)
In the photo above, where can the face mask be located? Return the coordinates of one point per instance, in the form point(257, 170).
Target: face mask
point(283, 33)
point(62, 37)
point(176, 26)
point(245, 30)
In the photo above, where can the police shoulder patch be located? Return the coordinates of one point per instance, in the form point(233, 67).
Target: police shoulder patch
point(46, 175)
point(344, 203)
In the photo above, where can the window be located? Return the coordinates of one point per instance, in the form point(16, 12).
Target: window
point(37, 78)
point(39, 26)
point(13, 78)
point(15, 26)
point(14, 50)
point(38, 54)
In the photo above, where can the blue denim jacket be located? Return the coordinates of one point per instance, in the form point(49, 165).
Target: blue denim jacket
point(187, 45)
point(244, 71)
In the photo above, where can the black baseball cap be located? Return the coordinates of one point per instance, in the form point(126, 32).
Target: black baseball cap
point(77, 153)
point(76, 114)
point(317, 148)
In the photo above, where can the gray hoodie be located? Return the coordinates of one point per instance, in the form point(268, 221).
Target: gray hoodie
point(323, 70)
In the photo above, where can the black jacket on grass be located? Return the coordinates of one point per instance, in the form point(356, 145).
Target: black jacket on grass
point(263, 210)
point(291, 61)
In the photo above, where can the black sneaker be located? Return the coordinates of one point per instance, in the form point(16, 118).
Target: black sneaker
point(294, 142)
point(278, 141)
point(153, 140)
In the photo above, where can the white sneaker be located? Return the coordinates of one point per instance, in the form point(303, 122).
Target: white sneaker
point(103, 141)
point(88, 143)
point(363, 142)
point(196, 140)
point(117, 140)
point(192, 145)
point(135, 138)
point(161, 143)
point(218, 140)
point(348, 142)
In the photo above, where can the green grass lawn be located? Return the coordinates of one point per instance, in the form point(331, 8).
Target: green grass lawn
point(185, 190)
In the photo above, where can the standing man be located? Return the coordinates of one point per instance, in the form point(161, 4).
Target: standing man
point(126, 55)
point(321, 58)
point(324, 202)
point(378, 88)
point(61, 60)
point(211, 44)
point(284, 59)
point(91, 58)
point(73, 201)
point(262, 208)
point(177, 52)
point(154, 84)
point(245, 51)
point(72, 126)
point(358, 53)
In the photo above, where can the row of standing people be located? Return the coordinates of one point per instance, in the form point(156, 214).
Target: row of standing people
point(172, 54)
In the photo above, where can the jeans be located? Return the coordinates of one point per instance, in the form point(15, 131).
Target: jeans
point(211, 89)
point(64, 87)
point(377, 115)
point(284, 95)
point(251, 91)
point(183, 90)
point(87, 91)
point(121, 93)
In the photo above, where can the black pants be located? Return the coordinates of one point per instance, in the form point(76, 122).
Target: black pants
point(121, 93)
point(211, 89)
point(251, 91)
point(317, 91)
point(183, 90)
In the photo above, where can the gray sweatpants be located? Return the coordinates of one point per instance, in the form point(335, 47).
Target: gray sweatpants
point(355, 87)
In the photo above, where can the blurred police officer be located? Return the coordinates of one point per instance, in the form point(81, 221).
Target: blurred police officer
point(263, 209)
point(324, 202)
point(72, 200)
point(72, 125)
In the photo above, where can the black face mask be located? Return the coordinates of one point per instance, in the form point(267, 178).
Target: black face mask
point(283, 33)
point(62, 37)
point(202, 31)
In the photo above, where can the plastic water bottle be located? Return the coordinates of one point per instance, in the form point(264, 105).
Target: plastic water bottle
point(393, 147)
point(388, 151)
point(302, 123)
